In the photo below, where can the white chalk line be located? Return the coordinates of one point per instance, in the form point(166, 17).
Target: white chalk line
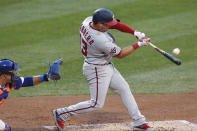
point(88, 125)
point(188, 123)
point(130, 124)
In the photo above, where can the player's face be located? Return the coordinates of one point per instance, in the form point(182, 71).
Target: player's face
point(6, 78)
point(103, 27)
point(9, 76)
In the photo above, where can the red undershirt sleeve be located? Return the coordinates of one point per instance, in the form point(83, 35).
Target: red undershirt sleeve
point(123, 27)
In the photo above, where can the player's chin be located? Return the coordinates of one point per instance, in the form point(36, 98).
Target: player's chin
point(104, 30)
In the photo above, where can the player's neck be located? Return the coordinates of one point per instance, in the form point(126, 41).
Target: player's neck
point(93, 26)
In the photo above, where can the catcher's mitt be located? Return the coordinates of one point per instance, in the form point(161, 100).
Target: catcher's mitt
point(54, 71)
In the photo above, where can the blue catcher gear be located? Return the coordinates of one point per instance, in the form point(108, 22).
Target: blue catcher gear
point(104, 16)
point(54, 71)
point(8, 128)
point(9, 67)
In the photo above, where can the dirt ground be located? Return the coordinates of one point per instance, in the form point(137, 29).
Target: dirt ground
point(36, 112)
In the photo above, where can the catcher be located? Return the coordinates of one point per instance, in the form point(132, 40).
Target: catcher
point(9, 80)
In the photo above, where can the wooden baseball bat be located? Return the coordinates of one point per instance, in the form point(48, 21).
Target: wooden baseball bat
point(167, 55)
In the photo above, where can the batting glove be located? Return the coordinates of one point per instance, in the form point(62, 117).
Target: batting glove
point(144, 42)
point(139, 35)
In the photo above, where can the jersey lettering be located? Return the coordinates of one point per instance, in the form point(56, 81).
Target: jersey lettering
point(84, 48)
point(91, 42)
point(113, 50)
point(85, 34)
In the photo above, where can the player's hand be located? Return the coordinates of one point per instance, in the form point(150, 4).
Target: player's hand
point(139, 35)
point(144, 42)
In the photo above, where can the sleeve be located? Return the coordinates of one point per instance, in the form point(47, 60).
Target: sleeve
point(109, 48)
point(28, 81)
point(19, 83)
point(123, 27)
point(23, 82)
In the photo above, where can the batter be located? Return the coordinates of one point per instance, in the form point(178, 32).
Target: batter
point(98, 48)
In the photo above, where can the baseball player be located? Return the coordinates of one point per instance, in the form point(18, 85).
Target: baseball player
point(9, 80)
point(98, 47)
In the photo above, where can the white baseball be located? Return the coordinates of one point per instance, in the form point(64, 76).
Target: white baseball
point(176, 51)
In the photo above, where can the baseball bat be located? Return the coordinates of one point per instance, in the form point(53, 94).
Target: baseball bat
point(167, 55)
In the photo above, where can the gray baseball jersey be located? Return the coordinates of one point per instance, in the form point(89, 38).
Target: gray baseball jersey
point(98, 48)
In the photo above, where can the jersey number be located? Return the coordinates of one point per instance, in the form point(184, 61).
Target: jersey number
point(84, 48)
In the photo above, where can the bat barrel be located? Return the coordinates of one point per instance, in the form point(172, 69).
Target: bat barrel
point(172, 58)
point(167, 55)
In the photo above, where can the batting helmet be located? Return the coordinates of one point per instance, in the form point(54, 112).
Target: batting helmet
point(104, 16)
point(7, 65)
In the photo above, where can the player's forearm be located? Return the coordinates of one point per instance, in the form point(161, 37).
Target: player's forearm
point(123, 27)
point(125, 51)
point(34, 80)
point(39, 79)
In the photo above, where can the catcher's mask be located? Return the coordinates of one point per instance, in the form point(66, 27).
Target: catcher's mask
point(9, 67)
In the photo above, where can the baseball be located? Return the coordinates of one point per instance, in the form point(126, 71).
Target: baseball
point(176, 51)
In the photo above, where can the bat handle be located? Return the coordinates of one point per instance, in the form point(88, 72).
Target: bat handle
point(152, 45)
point(156, 48)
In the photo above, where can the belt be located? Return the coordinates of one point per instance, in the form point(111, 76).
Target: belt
point(99, 64)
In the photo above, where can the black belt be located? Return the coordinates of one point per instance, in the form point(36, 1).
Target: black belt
point(99, 64)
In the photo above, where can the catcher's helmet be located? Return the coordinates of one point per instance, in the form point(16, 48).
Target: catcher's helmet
point(7, 65)
point(104, 16)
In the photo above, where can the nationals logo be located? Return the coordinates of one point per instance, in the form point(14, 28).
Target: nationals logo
point(113, 50)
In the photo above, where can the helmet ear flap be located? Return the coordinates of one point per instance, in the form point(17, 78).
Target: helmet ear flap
point(15, 66)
